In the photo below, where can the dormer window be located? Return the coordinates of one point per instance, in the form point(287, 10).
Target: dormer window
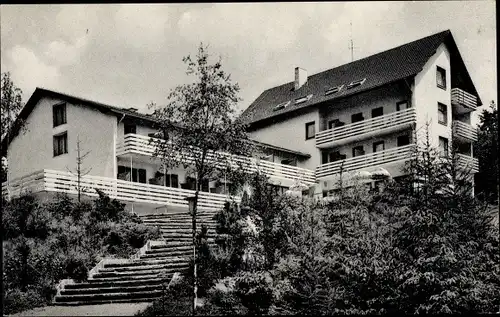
point(333, 90)
point(303, 99)
point(356, 83)
point(282, 105)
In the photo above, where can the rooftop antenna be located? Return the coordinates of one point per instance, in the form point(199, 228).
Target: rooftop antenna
point(351, 45)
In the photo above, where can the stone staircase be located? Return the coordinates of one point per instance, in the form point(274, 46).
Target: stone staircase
point(142, 277)
point(176, 228)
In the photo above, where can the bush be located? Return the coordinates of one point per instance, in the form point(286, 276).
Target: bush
point(175, 301)
point(16, 300)
point(15, 216)
point(77, 264)
point(44, 243)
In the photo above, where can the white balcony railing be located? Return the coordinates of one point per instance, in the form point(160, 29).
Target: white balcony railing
point(139, 144)
point(398, 154)
point(464, 131)
point(65, 182)
point(464, 99)
point(384, 124)
point(468, 163)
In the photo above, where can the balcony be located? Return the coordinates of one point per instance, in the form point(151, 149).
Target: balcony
point(390, 156)
point(464, 132)
point(393, 122)
point(463, 101)
point(64, 182)
point(468, 163)
point(286, 175)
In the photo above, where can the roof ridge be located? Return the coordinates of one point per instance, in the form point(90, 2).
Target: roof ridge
point(359, 60)
point(88, 100)
point(383, 52)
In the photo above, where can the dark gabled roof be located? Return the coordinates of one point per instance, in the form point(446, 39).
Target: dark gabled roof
point(379, 69)
point(41, 92)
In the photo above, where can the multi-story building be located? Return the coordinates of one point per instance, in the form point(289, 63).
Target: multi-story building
point(355, 118)
point(365, 117)
point(115, 143)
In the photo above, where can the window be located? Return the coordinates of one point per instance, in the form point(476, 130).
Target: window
point(291, 162)
point(59, 114)
point(356, 83)
point(357, 151)
point(138, 175)
point(130, 128)
point(335, 123)
point(303, 99)
point(61, 144)
point(441, 77)
point(172, 180)
point(378, 146)
point(402, 105)
point(357, 117)
point(331, 124)
point(377, 112)
point(443, 147)
point(403, 140)
point(333, 90)
point(442, 114)
point(336, 156)
point(324, 157)
point(310, 130)
point(282, 105)
point(328, 157)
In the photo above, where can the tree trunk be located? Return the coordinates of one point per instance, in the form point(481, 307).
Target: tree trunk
point(195, 277)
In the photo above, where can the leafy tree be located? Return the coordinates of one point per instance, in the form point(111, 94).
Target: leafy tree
point(11, 105)
point(486, 150)
point(199, 126)
point(446, 245)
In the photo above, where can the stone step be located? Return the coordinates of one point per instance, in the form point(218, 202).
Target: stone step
point(108, 296)
point(182, 216)
point(181, 224)
point(184, 229)
point(159, 255)
point(112, 289)
point(188, 240)
point(163, 245)
point(151, 267)
point(169, 247)
point(175, 214)
point(105, 301)
point(144, 262)
point(119, 274)
point(180, 246)
point(98, 284)
point(164, 256)
point(176, 234)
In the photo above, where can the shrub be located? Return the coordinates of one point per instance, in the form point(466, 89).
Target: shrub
point(77, 263)
point(16, 300)
point(15, 216)
point(44, 243)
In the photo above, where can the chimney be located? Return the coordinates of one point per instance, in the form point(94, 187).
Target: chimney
point(300, 77)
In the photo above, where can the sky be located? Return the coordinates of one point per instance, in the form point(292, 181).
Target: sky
point(130, 55)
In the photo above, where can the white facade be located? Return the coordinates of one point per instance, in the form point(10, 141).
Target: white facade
point(33, 150)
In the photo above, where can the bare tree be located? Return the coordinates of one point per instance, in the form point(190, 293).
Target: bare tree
point(79, 172)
